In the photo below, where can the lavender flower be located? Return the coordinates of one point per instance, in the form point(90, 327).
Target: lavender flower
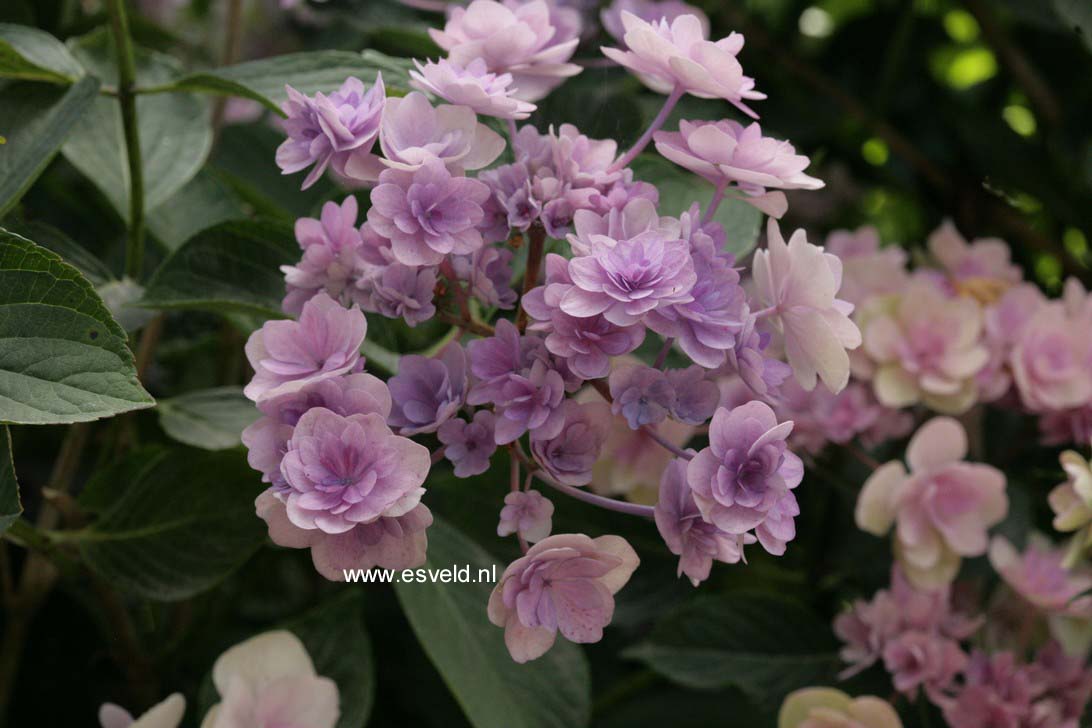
point(330, 263)
point(489, 94)
point(489, 273)
point(527, 513)
point(746, 472)
point(286, 355)
point(389, 542)
point(405, 292)
point(469, 445)
point(694, 540)
point(696, 396)
point(727, 153)
point(267, 439)
point(530, 40)
point(428, 392)
point(428, 213)
point(586, 343)
point(569, 456)
point(625, 279)
point(564, 583)
point(641, 394)
point(330, 130)
point(343, 471)
point(650, 11)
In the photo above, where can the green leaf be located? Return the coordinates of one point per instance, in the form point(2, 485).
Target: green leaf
point(10, 506)
point(334, 636)
point(679, 189)
point(1077, 16)
point(211, 419)
point(63, 358)
point(234, 266)
point(36, 120)
point(175, 132)
point(761, 643)
point(181, 525)
point(72, 252)
point(34, 55)
point(451, 623)
point(264, 80)
point(202, 203)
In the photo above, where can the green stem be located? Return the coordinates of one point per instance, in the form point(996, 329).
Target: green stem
point(123, 44)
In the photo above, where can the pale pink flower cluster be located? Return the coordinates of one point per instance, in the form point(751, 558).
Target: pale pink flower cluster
point(940, 510)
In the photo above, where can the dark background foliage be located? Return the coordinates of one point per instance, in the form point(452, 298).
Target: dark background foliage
point(912, 111)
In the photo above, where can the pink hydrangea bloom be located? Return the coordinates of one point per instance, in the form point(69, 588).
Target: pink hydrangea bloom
point(569, 455)
point(473, 86)
point(799, 283)
point(677, 55)
point(342, 471)
point(915, 632)
point(926, 347)
point(414, 132)
point(744, 479)
point(731, 155)
point(469, 445)
point(820, 417)
point(649, 11)
point(1040, 576)
point(1004, 322)
point(982, 258)
point(1051, 361)
point(830, 708)
point(287, 355)
point(527, 513)
point(269, 680)
point(428, 213)
point(389, 542)
point(532, 41)
point(329, 131)
point(564, 583)
point(166, 714)
point(330, 260)
point(867, 268)
point(694, 540)
point(941, 509)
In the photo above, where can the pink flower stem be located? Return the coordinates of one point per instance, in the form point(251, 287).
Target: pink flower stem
point(609, 504)
point(718, 197)
point(512, 135)
point(661, 358)
point(673, 449)
point(766, 312)
point(438, 455)
point(669, 104)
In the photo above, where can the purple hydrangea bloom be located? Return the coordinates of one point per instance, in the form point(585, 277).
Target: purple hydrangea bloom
point(564, 583)
point(267, 438)
point(649, 11)
point(696, 396)
point(641, 394)
point(705, 326)
point(628, 221)
point(625, 279)
point(428, 392)
point(330, 263)
point(389, 542)
point(343, 471)
point(428, 213)
point(517, 375)
point(694, 540)
point(530, 40)
point(764, 375)
point(286, 355)
point(527, 513)
point(403, 291)
point(489, 273)
point(329, 130)
point(746, 470)
point(569, 456)
point(469, 445)
point(586, 344)
point(473, 86)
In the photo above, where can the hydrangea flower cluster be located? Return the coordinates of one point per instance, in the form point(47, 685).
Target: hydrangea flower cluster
point(559, 386)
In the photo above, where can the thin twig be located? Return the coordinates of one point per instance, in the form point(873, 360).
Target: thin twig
point(537, 236)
